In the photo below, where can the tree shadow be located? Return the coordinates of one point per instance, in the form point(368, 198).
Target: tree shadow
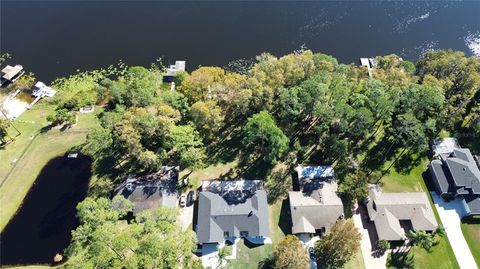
point(471, 219)
point(401, 259)
point(277, 185)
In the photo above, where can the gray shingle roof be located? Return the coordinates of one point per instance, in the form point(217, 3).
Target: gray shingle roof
point(317, 204)
point(152, 190)
point(458, 174)
point(464, 170)
point(388, 209)
point(233, 207)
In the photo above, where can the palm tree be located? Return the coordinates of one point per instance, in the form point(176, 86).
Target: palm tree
point(421, 238)
point(222, 255)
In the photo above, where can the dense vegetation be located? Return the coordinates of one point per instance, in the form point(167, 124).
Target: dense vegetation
point(152, 240)
point(303, 104)
point(301, 108)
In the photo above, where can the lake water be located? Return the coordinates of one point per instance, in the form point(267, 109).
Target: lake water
point(42, 226)
point(56, 38)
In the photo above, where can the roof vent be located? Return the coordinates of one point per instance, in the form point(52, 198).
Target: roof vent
point(129, 186)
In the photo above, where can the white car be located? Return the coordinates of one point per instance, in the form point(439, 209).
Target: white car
point(183, 200)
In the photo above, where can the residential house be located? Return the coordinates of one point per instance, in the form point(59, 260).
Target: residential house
point(151, 191)
point(395, 213)
point(316, 205)
point(457, 175)
point(229, 210)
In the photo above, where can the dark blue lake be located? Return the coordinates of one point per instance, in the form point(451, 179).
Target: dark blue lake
point(56, 38)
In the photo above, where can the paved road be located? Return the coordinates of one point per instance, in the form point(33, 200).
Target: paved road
point(450, 214)
point(370, 261)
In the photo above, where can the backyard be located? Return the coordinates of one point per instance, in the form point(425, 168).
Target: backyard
point(32, 150)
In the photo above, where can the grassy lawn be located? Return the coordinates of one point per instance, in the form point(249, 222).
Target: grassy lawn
point(249, 257)
point(397, 182)
point(33, 154)
point(442, 255)
point(212, 172)
point(356, 262)
point(279, 220)
point(471, 231)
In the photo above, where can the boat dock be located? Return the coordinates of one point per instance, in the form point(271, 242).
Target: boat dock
point(370, 63)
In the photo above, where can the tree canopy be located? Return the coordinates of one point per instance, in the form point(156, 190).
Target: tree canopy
point(105, 240)
point(339, 245)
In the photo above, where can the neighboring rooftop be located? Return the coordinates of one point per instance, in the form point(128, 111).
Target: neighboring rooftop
point(444, 145)
point(388, 210)
point(11, 72)
point(316, 205)
point(457, 174)
point(232, 209)
point(151, 191)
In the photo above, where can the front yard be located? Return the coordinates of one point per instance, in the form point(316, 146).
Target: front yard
point(249, 256)
point(471, 231)
point(442, 255)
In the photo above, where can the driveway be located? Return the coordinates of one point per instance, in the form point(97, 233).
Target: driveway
point(185, 216)
point(308, 240)
point(451, 214)
point(210, 256)
point(370, 257)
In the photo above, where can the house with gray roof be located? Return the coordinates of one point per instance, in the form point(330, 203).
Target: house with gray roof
point(457, 175)
point(316, 205)
point(151, 191)
point(395, 213)
point(229, 210)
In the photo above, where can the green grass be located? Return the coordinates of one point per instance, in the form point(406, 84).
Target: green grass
point(356, 262)
point(249, 257)
point(472, 235)
point(278, 221)
point(397, 182)
point(442, 255)
point(33, 155)
point(212, 172)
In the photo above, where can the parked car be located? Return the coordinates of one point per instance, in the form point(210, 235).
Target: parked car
point(313, 261)
point(191, 197)
point(183, 200)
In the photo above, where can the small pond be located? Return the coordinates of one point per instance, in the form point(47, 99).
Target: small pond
point(42, 226)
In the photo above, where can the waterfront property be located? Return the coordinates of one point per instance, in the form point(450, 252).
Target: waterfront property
point(315, 206)
point(11, 73)
point(42, 90)
point(395, 213)
point(151, 191)
point(369, 63)
point(456, 174)
point(173, 71)
point(228, 210)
